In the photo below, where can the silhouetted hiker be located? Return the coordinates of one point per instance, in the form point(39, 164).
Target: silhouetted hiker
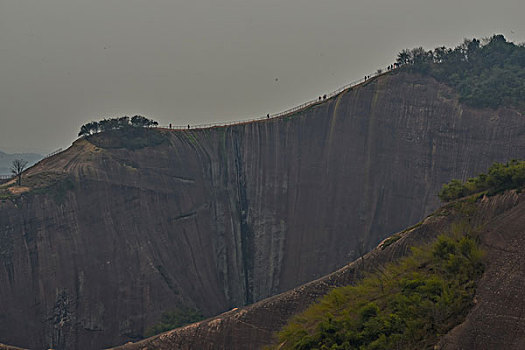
point(319, 98)
point(324, 97)
point(170, 125)
point(188, 126)
point(268, 116)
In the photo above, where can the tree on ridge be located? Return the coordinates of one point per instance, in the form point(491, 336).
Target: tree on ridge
point(17, 168)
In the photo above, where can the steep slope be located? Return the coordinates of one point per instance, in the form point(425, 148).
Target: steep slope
point(495, 322)
point(219, 218)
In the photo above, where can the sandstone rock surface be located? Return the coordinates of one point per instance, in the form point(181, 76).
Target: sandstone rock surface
point(223, 217)
point(496, 321)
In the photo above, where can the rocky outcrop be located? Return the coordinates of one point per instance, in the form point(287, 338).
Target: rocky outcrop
point(496, 321)
point(223, 217)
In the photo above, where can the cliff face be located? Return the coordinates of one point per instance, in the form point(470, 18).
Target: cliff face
point(223, 217)
point(495, 322)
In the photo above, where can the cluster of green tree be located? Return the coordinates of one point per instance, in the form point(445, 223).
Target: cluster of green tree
point(486, 73)
point(174, 319)
point(115, 123)
point(407, 305)
point(500, 177)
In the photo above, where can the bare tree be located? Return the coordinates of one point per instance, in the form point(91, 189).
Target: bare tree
point(17, 167)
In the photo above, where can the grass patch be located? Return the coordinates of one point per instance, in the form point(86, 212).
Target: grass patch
point(390, 240)
point(413, 227)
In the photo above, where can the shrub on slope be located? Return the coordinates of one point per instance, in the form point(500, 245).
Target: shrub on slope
point(500, 177)
point(406, 305)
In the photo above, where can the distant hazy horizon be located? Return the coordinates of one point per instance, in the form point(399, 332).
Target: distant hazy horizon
point(6, 160)
point(64, 63)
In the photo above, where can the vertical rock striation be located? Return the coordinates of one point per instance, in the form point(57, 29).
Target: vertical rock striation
point(218, 218)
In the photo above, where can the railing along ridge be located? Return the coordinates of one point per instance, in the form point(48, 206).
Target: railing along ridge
point(53, 153)
point(279, 114)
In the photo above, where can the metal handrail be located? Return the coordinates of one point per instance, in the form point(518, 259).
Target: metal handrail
point(279, 114)
point(53, 153)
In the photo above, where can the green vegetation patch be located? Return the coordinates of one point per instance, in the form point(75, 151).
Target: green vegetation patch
point(390, 240)
point(500, 177)
point(408, 304)
point(174, 319)
point(486, 73)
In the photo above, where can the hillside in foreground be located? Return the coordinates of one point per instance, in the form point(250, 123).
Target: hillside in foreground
point(493, 319)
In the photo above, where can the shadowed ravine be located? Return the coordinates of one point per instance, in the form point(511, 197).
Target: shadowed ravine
point(218, 218)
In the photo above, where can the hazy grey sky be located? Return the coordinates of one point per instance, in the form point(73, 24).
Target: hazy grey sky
point(66, 62)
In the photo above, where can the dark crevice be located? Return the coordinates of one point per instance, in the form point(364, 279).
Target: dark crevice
point(184, 216)
point(247, 248)
point(165, 276)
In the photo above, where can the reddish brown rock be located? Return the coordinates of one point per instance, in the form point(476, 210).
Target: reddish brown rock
point(496, 322)
point(223, 217)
